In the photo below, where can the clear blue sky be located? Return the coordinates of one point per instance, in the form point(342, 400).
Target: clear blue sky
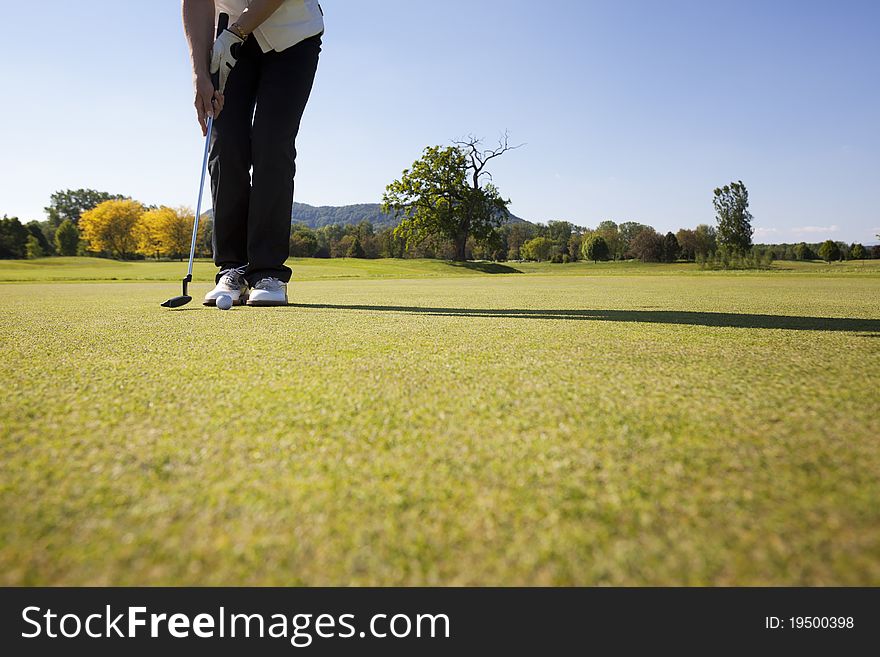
point(631, 110)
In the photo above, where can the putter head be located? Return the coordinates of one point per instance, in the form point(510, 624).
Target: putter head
point(183, 299)
point(177, 302)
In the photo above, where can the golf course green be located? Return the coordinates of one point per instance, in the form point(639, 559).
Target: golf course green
point(426, 423)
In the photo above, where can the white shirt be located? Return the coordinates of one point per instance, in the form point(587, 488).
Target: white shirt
point(292, 22)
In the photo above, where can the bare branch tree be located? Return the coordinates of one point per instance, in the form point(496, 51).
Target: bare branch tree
point(478, 158)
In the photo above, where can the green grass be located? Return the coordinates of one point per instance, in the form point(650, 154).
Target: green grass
point(415, 425)
point(308, 269)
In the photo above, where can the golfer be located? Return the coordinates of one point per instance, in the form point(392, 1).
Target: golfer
point(265, 62)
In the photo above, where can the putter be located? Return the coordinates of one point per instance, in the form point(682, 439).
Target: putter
point(183, 299)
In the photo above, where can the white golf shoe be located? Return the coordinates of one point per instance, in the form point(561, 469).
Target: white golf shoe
point(232, 284)
point(268, 292)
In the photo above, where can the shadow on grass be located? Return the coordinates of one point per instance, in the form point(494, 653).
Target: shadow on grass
point(486, 267)
point(730, 320)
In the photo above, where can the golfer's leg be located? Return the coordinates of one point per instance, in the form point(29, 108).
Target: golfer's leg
point(230, 160)
point(285, 84)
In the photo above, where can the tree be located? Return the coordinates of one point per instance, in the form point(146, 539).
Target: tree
point(538, 248)
point(204, 239)
point(575, 245)
point(647, 246)
point(36, 230)
point(110, 227)
point(33, 248)
point(339, 248)
point(857, 252)
point(595, 248)
point(13, 238)
point(671, 249)
point(364, 230)
point(560, 232)
point(147, 233)
point(734, 219)
point(610, 232)
point(164, 231)
point(492, 248)
point(175, 230)
point(706, 240)
point(627, 232)
point(517, 235)
point(829, 250)
point(71, 203)
point(443, 195)
point(687, 243)
point(390, 245)
point(303, 242)
point(804, 252)
point(356, 250)
point(67, 239)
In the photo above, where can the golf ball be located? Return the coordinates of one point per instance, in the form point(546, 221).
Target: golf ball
point(224, 302)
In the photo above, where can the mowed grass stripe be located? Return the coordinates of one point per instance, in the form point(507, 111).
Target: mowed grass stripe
point(79, 269)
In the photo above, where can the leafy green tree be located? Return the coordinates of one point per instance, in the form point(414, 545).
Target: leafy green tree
point(687, 243)
point(647, 246)
point(857, 252)
point(595, 248)
point(71, 203)
point(538, 248)
point(706, 240)
point(33, 248)
point(734, 219)
point(803, 252)
point(560, 232)
point(356, 250)
point(204, 246)
point(36, 230)
point(67, 238)
point(303, 242)
point(492, 248)
point(339, 248)
point(442, 195)
point(610, 232)
point(391, 246)
point(517, 235)
point(13, 238)
point(575, 245)
point(671, 249)
point(364, 229)
point(829, 250)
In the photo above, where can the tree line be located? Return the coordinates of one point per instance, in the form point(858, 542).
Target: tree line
point(90, 222)
point(445, 210)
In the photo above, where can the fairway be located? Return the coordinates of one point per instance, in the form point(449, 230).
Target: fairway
point(419, 423)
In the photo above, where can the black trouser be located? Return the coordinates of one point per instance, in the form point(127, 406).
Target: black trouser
point(252, 214)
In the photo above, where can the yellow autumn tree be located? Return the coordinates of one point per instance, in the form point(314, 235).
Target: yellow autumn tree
point(110, 227)
point(165, 231)
point(175, 231)
point(147, 233)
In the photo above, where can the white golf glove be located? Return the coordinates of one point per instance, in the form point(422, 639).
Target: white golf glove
point(224, 55)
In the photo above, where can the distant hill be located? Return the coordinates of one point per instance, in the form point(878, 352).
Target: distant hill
point(325, 215)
